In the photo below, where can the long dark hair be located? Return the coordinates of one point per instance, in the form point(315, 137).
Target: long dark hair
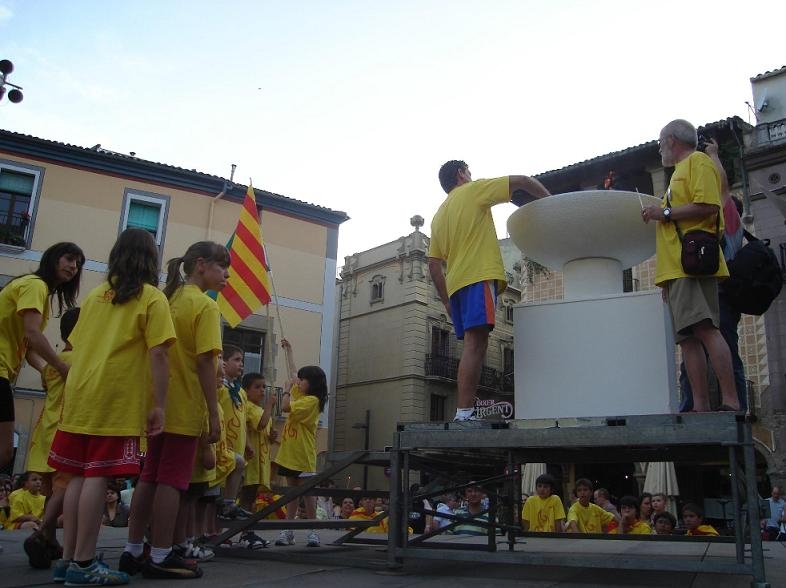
point(133, 262)
point(317, 383)
point(66, 292)
point(207, 250)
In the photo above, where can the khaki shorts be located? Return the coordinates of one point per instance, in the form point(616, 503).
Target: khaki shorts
point(691, 301)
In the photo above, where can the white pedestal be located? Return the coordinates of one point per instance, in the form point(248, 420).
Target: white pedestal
point(612, 355)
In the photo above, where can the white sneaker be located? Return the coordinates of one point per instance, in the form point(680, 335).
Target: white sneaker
point(201, 553)
point(471, 417)
point(313, 539)
point(285, 538)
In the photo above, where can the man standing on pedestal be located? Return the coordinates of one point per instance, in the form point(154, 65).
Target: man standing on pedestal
point(464, 238)
point(692, 202)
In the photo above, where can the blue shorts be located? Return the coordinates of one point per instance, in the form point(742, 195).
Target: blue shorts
point(474, 306)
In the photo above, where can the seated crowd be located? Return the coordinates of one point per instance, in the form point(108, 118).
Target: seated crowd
point(591, 512)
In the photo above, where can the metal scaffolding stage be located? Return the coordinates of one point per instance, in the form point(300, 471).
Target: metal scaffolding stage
point(454, 454)
point(460, 452)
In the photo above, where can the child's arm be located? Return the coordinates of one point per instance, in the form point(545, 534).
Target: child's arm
point(286, 401)
point(572, 527)
point(270, 402)
point(159, 368)
point(559, 526)
point(207, 452)
point(39, 344)
point(206, 369)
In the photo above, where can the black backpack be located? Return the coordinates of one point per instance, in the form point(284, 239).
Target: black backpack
point(755, 277)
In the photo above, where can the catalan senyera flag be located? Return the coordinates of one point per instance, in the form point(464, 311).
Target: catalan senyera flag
point(248, 286)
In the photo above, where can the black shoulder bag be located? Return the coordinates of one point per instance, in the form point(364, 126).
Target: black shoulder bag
point(700, 249)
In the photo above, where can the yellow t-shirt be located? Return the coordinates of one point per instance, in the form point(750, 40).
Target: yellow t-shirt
point(198, 329)
point(46, 426)
point(225, 457)
point(703, 530)
point(235, 420)
point(590, 518)
point(640, 528)
point(695, 180)
point(108, 391)
point(24, 503)
point(298, 449)
point(463, 234)
point(258, 467)
point(543, 513)
point(25, 293)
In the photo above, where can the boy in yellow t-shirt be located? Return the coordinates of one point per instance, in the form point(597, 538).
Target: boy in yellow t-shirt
point(42, 546)
point(543, 512)
point(259, 435)
point(693, 517)
point(233, 401)
point(224, 465)
point(583, 515)
point(27, 503)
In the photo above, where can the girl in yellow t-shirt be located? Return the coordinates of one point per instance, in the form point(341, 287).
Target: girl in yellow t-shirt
point(24, 311)
point(191, 398)
point(630, 523)
point(297, 456)
point(115, 392)
point(42, 546)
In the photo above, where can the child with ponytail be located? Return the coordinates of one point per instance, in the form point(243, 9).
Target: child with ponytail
point(192, 403)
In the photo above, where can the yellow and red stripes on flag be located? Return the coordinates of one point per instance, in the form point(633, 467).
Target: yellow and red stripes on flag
point(248, 286)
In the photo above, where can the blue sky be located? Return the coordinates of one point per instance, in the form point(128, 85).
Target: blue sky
point(354, 105)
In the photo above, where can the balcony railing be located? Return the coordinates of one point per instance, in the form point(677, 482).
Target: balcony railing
point(772, 132)
point(440, 366)
point(13, 231)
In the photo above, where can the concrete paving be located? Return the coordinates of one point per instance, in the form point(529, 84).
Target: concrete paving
point(351, 566)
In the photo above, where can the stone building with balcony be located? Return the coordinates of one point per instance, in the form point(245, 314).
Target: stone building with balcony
point(764, 163)
point(397, 356)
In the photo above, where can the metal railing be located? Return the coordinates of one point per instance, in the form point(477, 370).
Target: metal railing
point(440, 366)
point(13, 230)
point(772, 132)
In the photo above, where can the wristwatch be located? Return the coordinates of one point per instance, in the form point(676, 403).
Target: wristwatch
point(666, 214)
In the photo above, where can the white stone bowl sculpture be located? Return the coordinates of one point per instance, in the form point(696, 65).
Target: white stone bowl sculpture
point(591, 236)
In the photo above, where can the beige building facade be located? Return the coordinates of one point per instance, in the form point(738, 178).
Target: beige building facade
point(52, 192)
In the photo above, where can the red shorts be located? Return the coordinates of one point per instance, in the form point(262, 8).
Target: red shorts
point(91, 456)
point(170, 460)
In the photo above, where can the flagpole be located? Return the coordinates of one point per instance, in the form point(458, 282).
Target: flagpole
point(275, 300)
point(272, 282)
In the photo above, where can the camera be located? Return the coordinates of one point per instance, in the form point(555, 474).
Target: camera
point(701, 144)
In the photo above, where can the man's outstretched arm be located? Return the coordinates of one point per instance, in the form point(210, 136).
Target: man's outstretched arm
point(522, 186)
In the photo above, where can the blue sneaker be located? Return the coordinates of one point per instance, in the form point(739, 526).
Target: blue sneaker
point(96, 574)
point(59, 571)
